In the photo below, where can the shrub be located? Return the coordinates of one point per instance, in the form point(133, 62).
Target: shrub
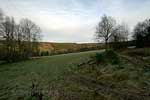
point(112, 57)
point(108, 56)
point(100, 58)
point(44, 53)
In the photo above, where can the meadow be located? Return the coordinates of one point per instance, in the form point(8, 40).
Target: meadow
point(109, 75)
point(122, 75)
point(16, 79)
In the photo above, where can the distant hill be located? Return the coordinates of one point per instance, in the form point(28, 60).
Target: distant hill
point(67, 47)
point(57, 48)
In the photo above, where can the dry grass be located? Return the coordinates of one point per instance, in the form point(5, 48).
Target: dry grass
point(62, 47)
point(129, 80)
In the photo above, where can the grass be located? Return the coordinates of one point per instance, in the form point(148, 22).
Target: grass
point(16, 79)
point(77, 76)
point(138, 52)
point(128, 80)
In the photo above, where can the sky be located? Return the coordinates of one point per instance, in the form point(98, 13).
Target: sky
point(75, 20)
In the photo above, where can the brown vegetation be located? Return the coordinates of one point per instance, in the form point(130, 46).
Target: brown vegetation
point(57, 48)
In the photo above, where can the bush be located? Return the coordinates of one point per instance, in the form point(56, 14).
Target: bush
point(108, 56)
point(100, 58)
point(112, 57)
point(44, 53)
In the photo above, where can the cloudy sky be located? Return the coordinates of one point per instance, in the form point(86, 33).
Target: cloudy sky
point(75, 20)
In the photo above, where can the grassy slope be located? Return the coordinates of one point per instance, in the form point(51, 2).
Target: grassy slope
point(130, 80)
point(127, 80)
point(19, 76)
point(48, 46)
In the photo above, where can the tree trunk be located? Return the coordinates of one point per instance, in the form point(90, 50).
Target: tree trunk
point(106, 44)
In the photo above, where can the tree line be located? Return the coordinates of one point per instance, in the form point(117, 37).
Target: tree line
point(142, 34)
point(116, 35)
point(18, 41)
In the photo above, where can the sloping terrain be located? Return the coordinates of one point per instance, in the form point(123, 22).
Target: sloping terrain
point(64, 47)
point(127, 80)
point(78, 76)
point(18, 81)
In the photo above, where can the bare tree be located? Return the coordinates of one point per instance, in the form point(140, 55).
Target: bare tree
point(1, 34)
point(105, 29)
point(35, 42)
point(18, 41)
point(9, 38)
point(31, 33)
point(1, 22)
point(120, 33)
point(142, 33)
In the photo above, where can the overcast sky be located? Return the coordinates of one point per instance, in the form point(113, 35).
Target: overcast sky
point(75, 20)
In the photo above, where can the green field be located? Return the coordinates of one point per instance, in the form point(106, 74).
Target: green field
point(78, 76)
point(16, 79)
